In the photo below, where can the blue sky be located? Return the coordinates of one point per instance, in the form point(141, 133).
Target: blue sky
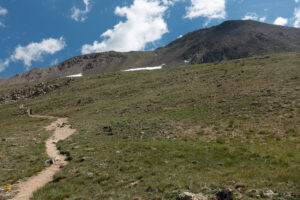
point(46, 32)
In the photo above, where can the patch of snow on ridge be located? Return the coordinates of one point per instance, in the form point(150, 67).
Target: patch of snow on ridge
point(75, 75)
point(144, 68)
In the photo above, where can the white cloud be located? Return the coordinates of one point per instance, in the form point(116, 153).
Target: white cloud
point(170, 2)
point(4, 64)
point(54, 62)
point(1, 24)
point(297, 17)
point(3, 11)
point(262, 19)
point(297, 1)
point(211, 9)
point(251, 16)
point(80, 15)
point(281, 21)
point(34, 52)
point(144, 24)
point(254, 16)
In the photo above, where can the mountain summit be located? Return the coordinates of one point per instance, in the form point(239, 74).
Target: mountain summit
point(229, 40)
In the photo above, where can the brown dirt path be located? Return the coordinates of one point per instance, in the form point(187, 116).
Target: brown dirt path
point(61, 132)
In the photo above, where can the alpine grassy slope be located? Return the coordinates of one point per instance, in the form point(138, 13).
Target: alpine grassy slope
point(154, 134)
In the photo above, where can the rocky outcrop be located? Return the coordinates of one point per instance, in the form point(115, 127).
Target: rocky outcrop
point(31, 92)
point(239, 192)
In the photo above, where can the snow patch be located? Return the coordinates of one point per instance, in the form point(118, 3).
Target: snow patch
point(75, 75)
point(144, 68)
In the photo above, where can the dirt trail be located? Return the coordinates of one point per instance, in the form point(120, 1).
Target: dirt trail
point(61, 132)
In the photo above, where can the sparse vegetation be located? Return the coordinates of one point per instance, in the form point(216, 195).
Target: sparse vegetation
point(152, 135)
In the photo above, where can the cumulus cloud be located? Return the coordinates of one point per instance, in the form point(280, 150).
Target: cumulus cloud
point(80, 15)
point(254, 16)
point(144, 24)
point(281, 21)
point(297, 17)
point(34, 52)
point(211, 9)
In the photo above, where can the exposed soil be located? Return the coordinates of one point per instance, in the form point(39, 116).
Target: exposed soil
point(61, 132)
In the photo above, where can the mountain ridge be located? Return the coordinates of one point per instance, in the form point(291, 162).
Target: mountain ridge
point(232, 39)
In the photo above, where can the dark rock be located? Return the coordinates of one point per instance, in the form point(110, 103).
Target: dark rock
point(69, 158)
point(226, 194)
point(108, 130)
point(49, 162)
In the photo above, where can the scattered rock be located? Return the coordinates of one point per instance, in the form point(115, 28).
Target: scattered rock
point(222, 101)
point(108, 130)
point(30, 92)
point(267, 193)
point(49, 162)
point(240, 188)
point(226, 194)
point(84, 159)
point(153, 190)
point(294, 78)
point(90, 149)
point(90, 174)
point(191, 196)
point(254, 103)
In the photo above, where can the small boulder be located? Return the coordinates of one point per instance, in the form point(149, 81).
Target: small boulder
point(226, 194)
point(267, 193)
point(49, 162)
point(191, 196)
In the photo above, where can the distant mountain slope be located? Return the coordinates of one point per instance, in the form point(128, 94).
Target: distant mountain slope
point(229, 40)
point(233, 40)
point(2, 79)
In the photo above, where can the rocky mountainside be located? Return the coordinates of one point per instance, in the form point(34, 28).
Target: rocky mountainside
point(229, 40)
point(2, 79)
point(32, 91)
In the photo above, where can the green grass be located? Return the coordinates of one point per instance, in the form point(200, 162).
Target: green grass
point(22, 149)
point(178, 129)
